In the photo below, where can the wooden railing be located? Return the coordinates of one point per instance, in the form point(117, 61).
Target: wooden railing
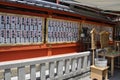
point(47, 68)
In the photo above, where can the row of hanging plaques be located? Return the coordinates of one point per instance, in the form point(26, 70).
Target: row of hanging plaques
point(62, 31)
point(20, 29)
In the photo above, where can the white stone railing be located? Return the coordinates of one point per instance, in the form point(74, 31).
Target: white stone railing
point(47, 68)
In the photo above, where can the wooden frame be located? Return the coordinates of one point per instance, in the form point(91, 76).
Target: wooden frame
point(62, 22)
point(21, 31)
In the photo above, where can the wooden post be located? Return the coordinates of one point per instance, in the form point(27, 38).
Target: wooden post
point(93, 44)
point(93, 57)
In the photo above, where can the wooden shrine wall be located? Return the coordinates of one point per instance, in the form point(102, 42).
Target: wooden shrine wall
point(26, 34)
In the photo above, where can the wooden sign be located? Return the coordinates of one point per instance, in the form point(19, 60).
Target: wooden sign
point(104, 39)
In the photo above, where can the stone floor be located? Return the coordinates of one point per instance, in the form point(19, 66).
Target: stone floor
point(85, 78)
point(115, 77)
